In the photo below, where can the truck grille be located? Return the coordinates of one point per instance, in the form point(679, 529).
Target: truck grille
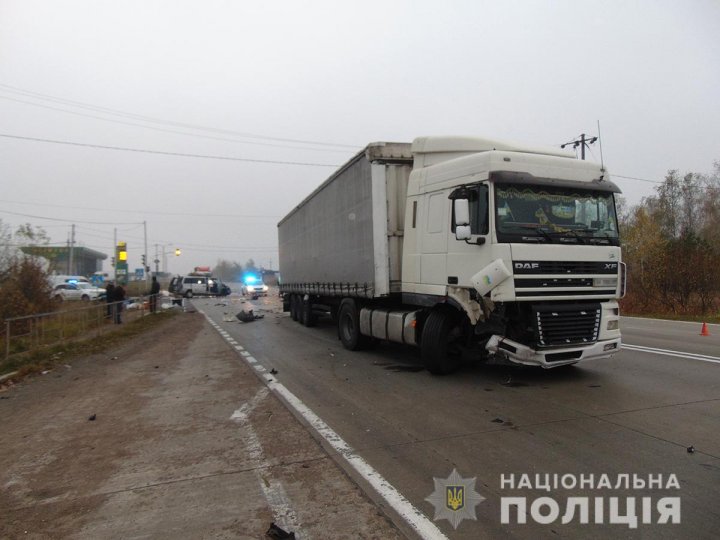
point(565, 267)
point(571, 324)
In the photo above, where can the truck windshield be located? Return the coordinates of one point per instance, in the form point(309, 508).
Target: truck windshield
point(555, 215)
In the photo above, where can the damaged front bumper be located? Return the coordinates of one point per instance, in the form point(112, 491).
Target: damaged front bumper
point(514, 352)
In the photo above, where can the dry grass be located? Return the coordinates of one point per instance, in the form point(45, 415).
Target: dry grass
point(48, 357)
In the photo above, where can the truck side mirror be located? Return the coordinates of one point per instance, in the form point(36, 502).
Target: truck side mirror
point(462, 232)
point(462, 219)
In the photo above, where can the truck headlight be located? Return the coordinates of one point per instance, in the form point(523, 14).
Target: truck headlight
point(613, 325)
point(605, 282)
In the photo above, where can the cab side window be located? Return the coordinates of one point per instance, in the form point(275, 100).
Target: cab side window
point(479, 210)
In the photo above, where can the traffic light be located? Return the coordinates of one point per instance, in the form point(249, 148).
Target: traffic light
point(143, 260)
point(112, 261)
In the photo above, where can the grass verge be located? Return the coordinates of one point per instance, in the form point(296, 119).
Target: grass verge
point(48, 357)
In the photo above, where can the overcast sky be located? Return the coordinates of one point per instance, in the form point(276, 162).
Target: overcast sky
point(312, 82)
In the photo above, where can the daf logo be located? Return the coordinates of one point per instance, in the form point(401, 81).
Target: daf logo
point(527, 266)
point(610, 266)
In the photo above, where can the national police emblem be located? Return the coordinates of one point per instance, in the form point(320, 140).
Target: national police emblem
point(455, 498)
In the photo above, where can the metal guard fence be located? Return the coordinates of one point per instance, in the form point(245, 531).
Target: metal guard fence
point(33, 332)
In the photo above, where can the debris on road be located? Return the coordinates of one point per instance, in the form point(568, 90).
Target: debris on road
point(498, 420)
point(92, 418)
point(248, 316)
point(691, 450)
point(277, 533)
point(273, 371)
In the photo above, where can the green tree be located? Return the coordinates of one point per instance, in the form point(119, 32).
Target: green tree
point(31, 235)
point(670, 245)
point(229, 271)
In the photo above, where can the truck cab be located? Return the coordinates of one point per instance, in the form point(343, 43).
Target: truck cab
point(523, 241)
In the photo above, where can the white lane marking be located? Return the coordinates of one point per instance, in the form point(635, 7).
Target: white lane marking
point(414, 517)
point(245, 353)
point(418, 521)
point(275, 494)
point(629, 318)
point(679, 354)
point(239, 347)
point(246, 408)
point(250, 359)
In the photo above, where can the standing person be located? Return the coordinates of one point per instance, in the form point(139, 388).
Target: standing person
point(109, 295)
point(119, 300)
point(154, 291)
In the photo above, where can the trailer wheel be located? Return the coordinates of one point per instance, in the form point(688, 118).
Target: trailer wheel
point(438, 349)
point(294, 307)
point(349, 327)
point(307, 317)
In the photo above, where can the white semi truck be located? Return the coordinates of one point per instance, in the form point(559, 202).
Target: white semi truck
point(461, 245)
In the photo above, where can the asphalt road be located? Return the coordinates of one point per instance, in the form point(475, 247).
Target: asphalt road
point(634, 414)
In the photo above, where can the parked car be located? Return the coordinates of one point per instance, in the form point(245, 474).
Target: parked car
point(77, 291)
point(57, 279)
point(198, 285)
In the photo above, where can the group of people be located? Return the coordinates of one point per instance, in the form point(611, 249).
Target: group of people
point(115, 298)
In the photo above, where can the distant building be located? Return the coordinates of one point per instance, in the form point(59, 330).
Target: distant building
point(85, 261)
point(269, 277)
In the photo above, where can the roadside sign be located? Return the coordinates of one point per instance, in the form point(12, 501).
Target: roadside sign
point(139, 273)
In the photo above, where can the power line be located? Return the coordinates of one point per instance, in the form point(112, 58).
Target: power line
point(170, 130)
point(154, 212)
point(180, 154)
point(116, 112)
point(70, 220)
point(636, 178)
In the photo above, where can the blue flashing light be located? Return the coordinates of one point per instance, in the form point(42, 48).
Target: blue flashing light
point(250, 279)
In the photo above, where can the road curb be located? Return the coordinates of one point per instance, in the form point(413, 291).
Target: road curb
point(8, 376)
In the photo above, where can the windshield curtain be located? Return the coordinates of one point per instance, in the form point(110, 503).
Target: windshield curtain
point(547, 214)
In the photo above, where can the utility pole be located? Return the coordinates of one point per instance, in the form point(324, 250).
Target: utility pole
point(114, 252)
point(71, 258)
point(146, 266)
point(582, 142)
point(157, 260)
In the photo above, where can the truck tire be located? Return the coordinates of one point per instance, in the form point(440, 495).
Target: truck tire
point(189, 294)
point(438, 354)
point(294, 311)
point(349, 326)
point(307, 317)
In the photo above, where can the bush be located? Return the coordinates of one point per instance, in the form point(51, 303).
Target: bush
point(24, 289)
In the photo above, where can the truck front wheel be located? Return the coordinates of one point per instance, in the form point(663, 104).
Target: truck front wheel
point(349, 326)
point(438, 348)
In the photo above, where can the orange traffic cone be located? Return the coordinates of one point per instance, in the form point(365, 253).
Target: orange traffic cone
point(704, 331)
